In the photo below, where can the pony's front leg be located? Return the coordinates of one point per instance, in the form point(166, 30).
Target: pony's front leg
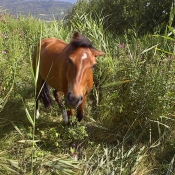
point(70, 112)
point(66, 114)
point(80, 109)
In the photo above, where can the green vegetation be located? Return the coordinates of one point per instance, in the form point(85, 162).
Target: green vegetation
point(129, 124)
point(122, 16)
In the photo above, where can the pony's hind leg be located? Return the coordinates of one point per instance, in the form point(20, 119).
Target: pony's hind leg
point(43, 93)
point(37, 96)
point(37, 109)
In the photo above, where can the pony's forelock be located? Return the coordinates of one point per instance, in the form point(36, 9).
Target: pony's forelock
point(78, 40)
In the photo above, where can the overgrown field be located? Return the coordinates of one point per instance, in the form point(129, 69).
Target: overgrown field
point(130, 115)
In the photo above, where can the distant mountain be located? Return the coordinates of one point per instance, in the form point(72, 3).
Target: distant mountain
point(43, 9)
point(71, 1)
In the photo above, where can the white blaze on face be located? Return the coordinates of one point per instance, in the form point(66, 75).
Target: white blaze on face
point(77, 80)
point(84, 56)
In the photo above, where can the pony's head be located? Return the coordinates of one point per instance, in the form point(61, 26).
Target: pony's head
point(81, 61)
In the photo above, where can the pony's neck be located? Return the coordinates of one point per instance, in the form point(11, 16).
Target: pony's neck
point(68, 50)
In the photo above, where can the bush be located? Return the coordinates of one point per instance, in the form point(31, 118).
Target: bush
point(122, 16)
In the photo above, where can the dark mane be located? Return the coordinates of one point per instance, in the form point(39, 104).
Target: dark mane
point(79, 40)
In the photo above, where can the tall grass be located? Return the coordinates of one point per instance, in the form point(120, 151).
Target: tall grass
point(133, 97)
point(130, 112)
point(19, 36)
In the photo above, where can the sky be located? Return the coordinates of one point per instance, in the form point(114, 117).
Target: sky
point(72, 1)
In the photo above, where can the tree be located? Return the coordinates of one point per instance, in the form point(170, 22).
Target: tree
point(122, 15)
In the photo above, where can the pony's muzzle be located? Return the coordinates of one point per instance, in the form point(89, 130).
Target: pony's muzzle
point(73, 101)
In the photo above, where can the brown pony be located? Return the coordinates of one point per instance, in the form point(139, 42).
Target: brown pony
point(68, 69)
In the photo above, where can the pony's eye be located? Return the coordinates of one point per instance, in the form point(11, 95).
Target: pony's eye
point(70, 61)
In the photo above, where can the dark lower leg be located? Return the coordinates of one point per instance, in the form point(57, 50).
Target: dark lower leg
point(79, 115)
point(80, 109)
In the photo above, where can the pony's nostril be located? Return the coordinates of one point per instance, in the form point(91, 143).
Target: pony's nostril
point(73, 101)
point(81, 98)
point(69, 93)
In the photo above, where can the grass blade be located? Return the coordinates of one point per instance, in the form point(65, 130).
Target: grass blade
point(115, 83)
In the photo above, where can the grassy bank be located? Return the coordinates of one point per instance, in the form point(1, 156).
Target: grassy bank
point(129, 123)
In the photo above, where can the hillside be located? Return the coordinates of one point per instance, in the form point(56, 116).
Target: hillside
point(43, 9)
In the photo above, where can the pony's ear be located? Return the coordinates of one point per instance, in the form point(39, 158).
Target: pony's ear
point(76, 34)
point(97, 52)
